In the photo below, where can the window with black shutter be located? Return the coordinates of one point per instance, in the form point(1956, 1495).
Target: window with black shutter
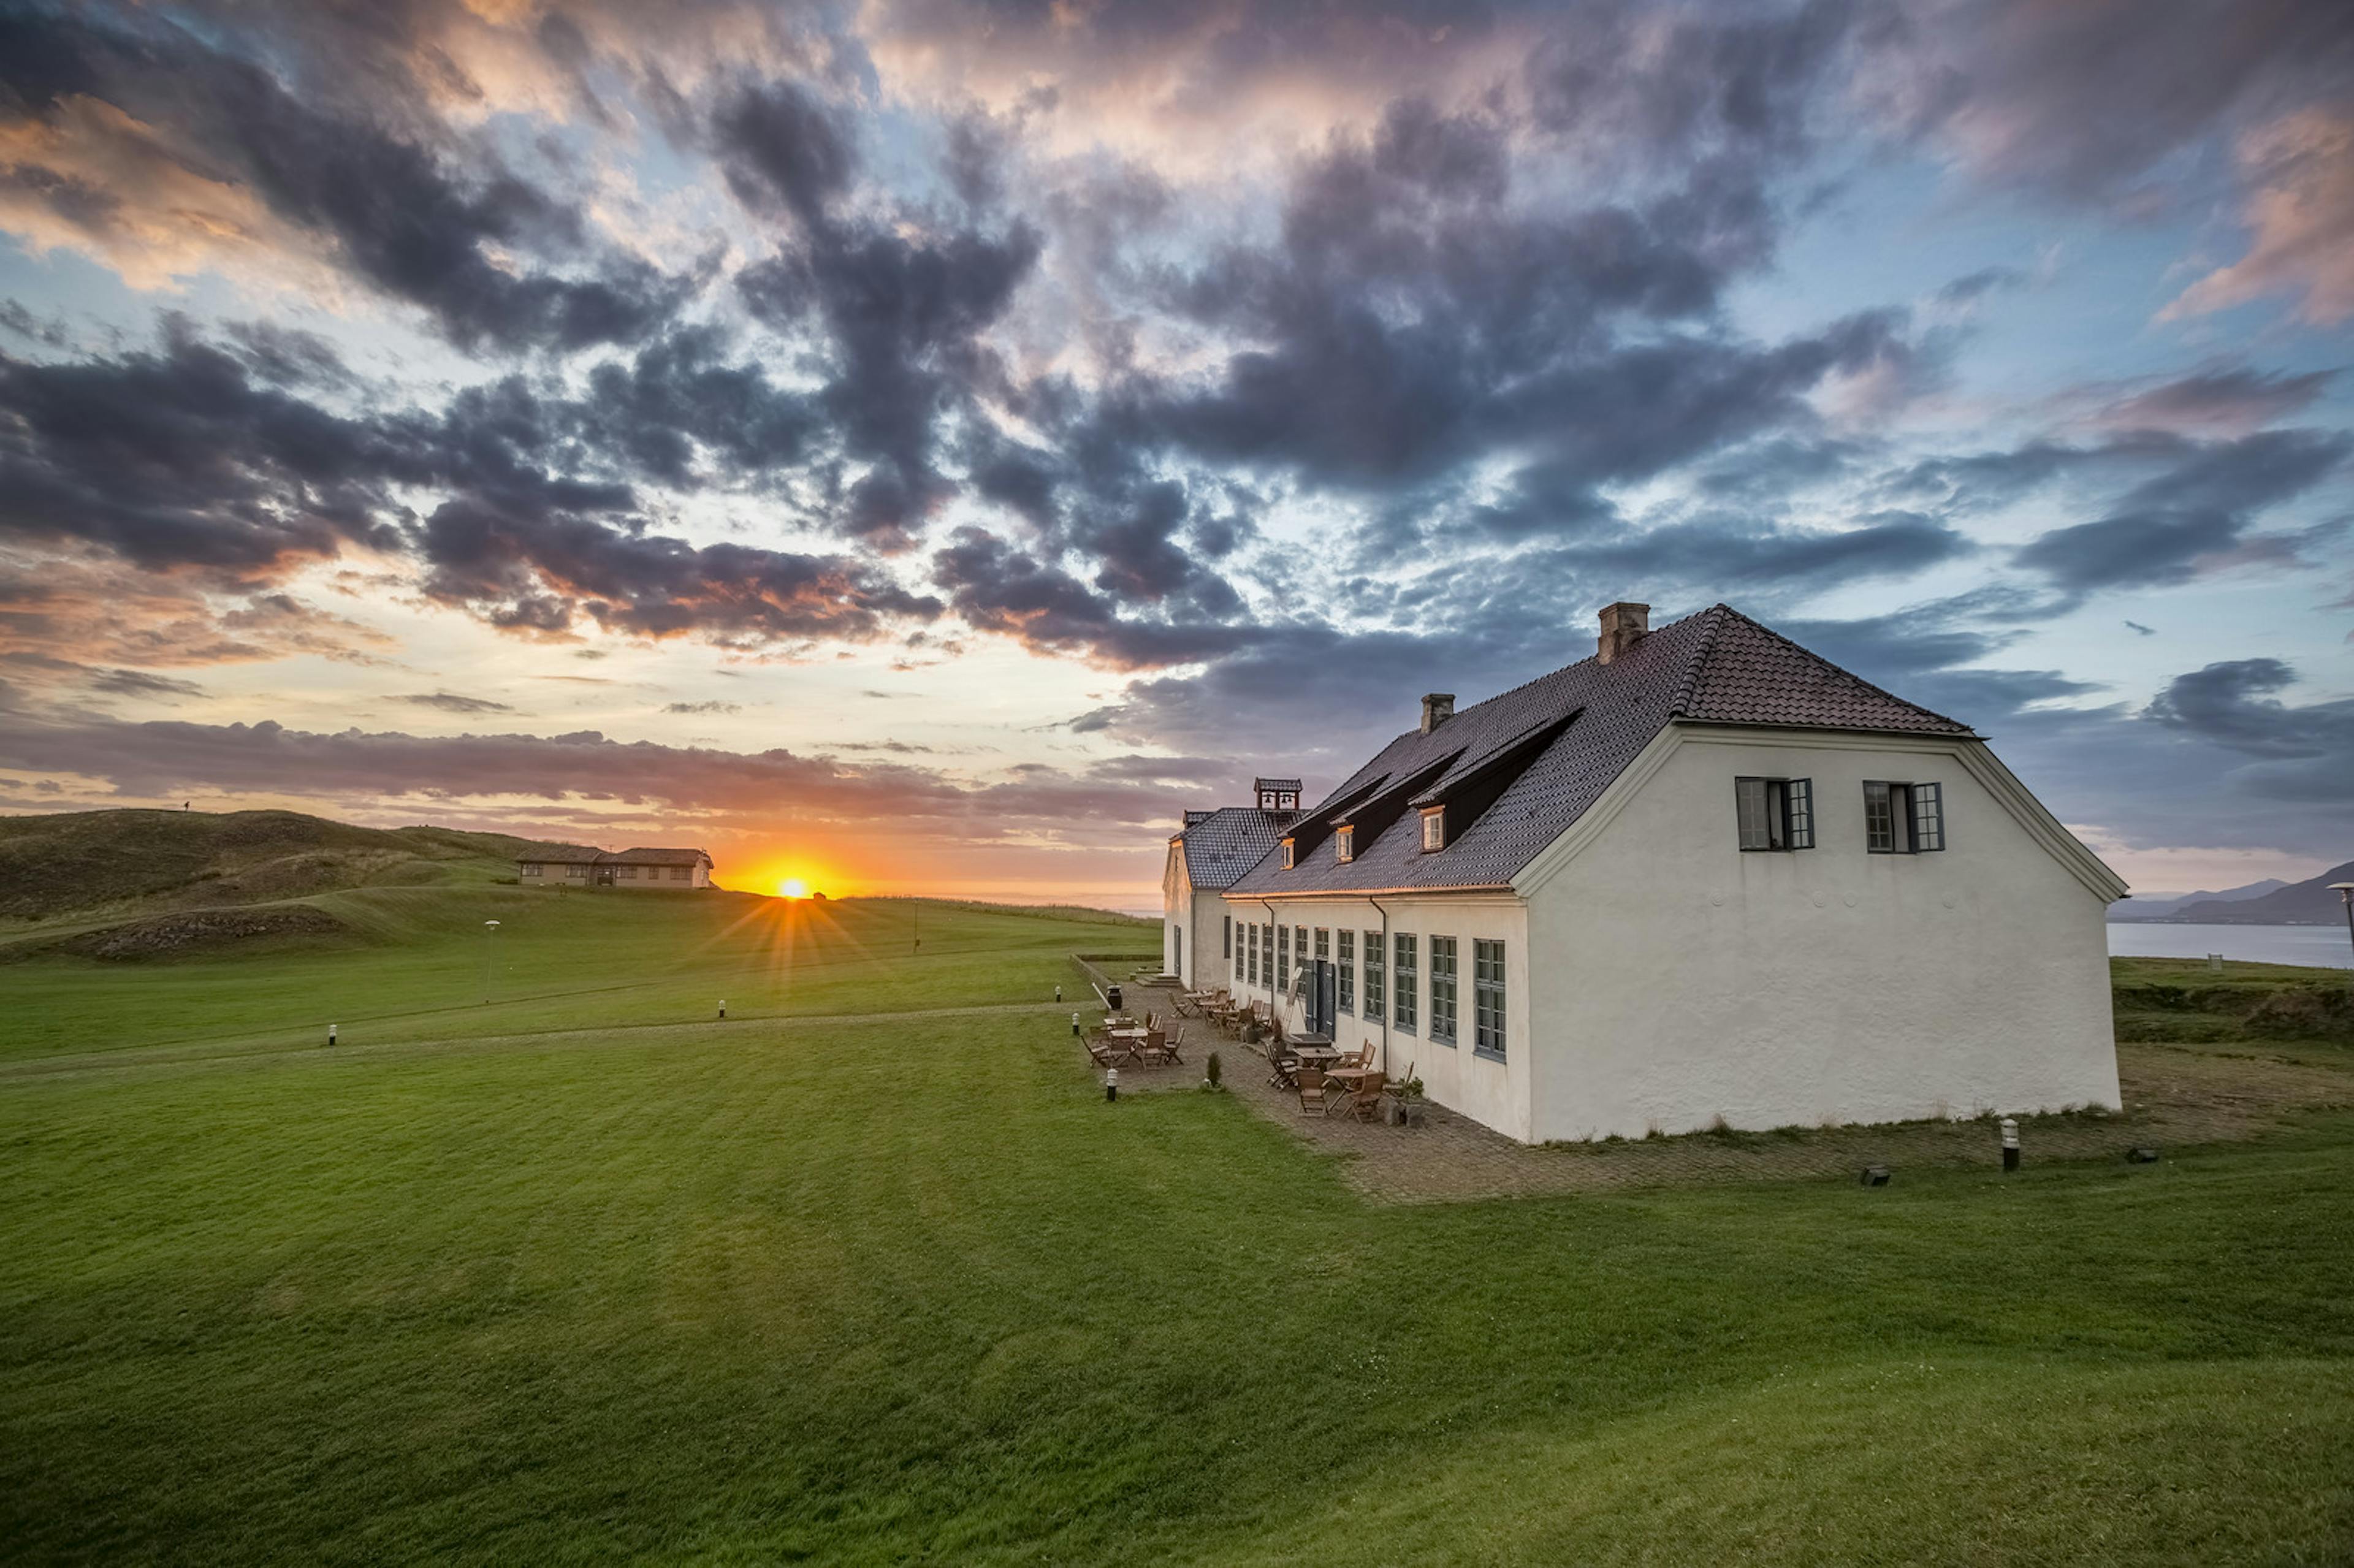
point(1904, 819)
point(1774, 814)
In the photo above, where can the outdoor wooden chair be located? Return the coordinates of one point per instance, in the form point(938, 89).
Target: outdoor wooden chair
point(1364, 1102)
point(1282, 1069)
point(1169, 1049)
point(1311, 1083)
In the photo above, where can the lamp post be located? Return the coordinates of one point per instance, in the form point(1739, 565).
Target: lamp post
point(2345, 891)
point(490, 930)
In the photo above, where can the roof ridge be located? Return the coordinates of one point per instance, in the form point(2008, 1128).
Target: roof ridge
point(1844, 672)
point(1555, 674)
point(1688, 684)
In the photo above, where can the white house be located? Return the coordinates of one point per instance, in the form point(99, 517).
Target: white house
point(1703, 874)
point(572, 866)
point(1213, 847)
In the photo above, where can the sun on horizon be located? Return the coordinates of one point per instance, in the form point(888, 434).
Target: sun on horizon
point(792, 887)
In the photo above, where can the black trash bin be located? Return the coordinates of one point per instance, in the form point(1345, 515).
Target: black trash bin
point(1111, 999)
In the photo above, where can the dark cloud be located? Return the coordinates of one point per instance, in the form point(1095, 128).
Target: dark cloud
point(1723, 84)
point(1729, 554)
point(432, 226)
point(453, 703)
point(182, 458)
point(2193, 515)
point(996, 587)
point(2084, 100)
point(2231, 704)
point(1972, 287)
point(710, 708)
point(143, 683)
point(781, 147)
point(166, 759)
point(2220, 402)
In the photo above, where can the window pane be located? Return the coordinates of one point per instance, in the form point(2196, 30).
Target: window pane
point(1749, 807)
point(1802, 813)
point(1282, 957)
point(1377, 983)
point(1348, 987)
point(1406, 983)
point(1928, 817)
point(1879, 826)
point(1442, 990)
point(1323, 943)
point(1488, 986)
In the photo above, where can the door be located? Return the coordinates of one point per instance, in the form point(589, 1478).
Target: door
point(1321, 1015)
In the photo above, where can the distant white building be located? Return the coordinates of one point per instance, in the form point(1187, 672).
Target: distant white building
point(1205, 856)
point(1703, 874)
point(566, 866)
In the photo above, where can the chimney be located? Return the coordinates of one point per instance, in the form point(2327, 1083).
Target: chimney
point(1436, 709)
point(1622, 625)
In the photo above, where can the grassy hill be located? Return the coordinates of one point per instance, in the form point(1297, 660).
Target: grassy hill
point(871, 1273)
point(92, 863)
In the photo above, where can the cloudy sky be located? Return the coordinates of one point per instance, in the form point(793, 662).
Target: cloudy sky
point(925, 445)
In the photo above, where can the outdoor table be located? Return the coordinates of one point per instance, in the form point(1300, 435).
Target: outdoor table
point(1315, 1055)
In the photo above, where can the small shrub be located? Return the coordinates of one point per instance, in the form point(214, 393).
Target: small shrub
point(1212, 1069)
point(1718, 1125)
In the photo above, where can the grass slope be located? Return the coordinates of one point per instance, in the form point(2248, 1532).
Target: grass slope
point(415, 963)
point(904, 1288)
point(80, 863)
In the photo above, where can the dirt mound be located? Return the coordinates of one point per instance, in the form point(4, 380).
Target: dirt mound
point(201, 931)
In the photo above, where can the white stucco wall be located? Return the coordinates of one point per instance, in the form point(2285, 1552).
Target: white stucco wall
point(1457, 1076)
point(1676, 978)
point(1195, 911)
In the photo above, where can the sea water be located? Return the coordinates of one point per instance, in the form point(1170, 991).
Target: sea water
point(2320, 945)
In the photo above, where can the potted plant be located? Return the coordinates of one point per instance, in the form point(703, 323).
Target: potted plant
point(1406, 1105)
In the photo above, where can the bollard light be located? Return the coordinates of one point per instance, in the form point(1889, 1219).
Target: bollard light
point(1111, 1084)
point(331, 1034)
point(1876, 1176)
point(1074, 1026)
point(1058, 993)
point(723, 1007)
point(2009, 1143)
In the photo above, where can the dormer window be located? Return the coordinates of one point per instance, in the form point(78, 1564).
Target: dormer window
point(1434, 827)
point(1286, 854)
point(1344, 843)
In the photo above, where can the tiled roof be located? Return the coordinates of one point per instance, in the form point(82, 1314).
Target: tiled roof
point(1715, 667)
point(655, 857)
point(574, 854)
point(1229, 841)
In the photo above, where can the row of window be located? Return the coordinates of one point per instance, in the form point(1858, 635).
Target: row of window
point(1392, 979)
point(578, 872)
point(1898, 818)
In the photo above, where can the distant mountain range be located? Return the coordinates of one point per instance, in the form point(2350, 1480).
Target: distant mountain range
point(2165, 906)
point(2268, 903)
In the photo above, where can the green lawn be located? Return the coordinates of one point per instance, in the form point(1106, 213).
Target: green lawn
point(419, 964)
point(571, 1280)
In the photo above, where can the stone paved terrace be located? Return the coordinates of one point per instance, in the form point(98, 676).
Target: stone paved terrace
point(2174, 1098)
